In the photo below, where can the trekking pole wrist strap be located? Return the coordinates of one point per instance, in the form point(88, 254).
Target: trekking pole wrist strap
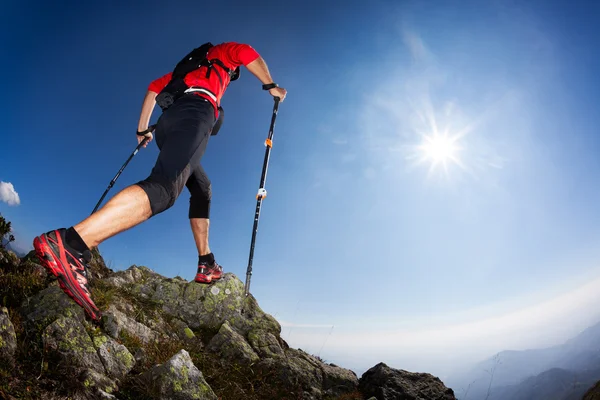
point(150, 129)
point(270, 86)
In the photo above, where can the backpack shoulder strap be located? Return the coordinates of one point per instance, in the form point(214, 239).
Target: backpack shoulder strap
point(193, 60)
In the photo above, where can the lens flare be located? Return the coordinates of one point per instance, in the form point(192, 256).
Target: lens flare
point(440, 149)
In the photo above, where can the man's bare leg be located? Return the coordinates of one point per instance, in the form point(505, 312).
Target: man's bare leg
point(128, 208)
point(200, 230)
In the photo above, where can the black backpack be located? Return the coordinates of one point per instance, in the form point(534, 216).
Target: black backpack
point(191, 62)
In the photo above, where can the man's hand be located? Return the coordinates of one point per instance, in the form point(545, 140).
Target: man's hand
point(278, 92)
point(147, 135)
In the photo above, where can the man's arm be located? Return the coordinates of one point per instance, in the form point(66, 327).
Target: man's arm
point(148, 105)
point(147, 108)
point(259, 68)
point(146, 113)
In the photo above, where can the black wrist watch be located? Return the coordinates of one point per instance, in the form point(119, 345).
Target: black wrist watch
point(150, 129)
point(269, 86)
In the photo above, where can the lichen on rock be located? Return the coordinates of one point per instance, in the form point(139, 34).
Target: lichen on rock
point(115, 321)
point(265, 343)
point(177, 379)
point(115, 357)
point(231, 346)
point(68, 339)
point(8, 339)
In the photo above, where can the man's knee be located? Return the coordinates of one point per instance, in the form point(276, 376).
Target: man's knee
point(161, 193)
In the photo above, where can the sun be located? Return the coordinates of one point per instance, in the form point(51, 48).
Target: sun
point(440, 149)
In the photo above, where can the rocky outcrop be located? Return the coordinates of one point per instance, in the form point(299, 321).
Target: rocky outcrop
point(177, 379)
point(385, 383)
point(167, 338)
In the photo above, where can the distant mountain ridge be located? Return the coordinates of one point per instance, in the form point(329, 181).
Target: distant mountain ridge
point(553, 384)
point(9, 246)
point(517, 372)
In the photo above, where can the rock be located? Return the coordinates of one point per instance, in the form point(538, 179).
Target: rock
point(306, 377)
point(115, 357)
point(593, 393)
point(201, 306)
point(183, 332)
point(96, 385)
point(97, 268)
point(387, 383)
point(68, 339)
point(231, 346)
point(265, 344)
point(8, 339)
point(115, 322)
point(140, 356)
point(121, 278)
point(48, 305)
point(8, 259)
point(337, 381)
point(301, 378)
point(177, 379)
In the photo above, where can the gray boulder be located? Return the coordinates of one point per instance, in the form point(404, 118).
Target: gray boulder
point(95, 385)
point(8, 339)
point(231, 346)
point(115, 357)
point(177, 379)
point(116, 323)
point(387, 383)
point(69, 341)
point(308, 378)
point(265, 343)
point(48, 305)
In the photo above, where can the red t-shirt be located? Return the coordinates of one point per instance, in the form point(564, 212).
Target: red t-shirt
point(232, 54)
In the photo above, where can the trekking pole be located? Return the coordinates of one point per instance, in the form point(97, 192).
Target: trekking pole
point(110, 185)
point(262, 193)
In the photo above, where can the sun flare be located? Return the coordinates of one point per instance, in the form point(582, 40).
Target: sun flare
point(440, 149)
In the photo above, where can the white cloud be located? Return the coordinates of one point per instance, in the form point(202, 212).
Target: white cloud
point(8, 194)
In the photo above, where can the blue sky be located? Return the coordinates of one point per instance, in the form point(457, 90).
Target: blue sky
point(363, 253)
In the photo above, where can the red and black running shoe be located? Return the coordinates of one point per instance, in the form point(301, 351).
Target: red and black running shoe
point(208, 272)
point(69, 266)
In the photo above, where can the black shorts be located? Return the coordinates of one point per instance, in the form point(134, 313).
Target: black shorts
point(181, 134)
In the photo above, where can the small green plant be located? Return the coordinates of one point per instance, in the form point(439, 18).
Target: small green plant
point(6, 235)
point(103, 294)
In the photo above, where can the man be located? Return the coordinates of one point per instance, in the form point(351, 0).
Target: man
point(182, 133)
